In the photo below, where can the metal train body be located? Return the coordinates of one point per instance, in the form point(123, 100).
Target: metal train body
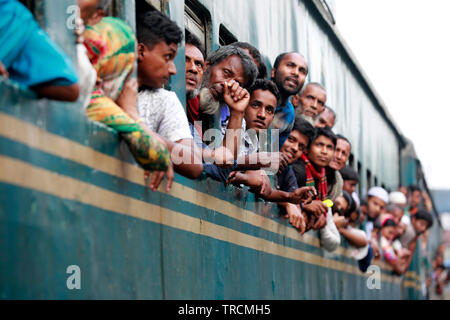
point(70, 193)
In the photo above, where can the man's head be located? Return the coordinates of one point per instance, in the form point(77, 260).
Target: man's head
point(158, 38)
point(225, 64)
point(298, 140)
point(92, 11)
point(326, 119)
point(289, 73)
point(376, 202)
point(421, 221)
point(396, 211)
point(263, 102)
point(322, 147)
point(397, 198)
point(343, 149)
point(256, 56)
point(350, 177)
point(313, 99)
point(195, 65)
point(416, 196)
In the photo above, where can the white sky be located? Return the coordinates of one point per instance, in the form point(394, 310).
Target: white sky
point(404, 48)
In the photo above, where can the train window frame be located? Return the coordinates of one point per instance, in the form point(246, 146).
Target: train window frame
point(198, 21)
point(226, 37)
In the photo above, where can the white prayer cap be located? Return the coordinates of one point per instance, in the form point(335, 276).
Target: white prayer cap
point(397, 197)
point(379, 192)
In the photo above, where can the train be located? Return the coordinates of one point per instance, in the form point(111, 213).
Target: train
point(71, 195)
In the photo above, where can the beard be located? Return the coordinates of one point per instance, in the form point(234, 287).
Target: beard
point(191, 94)
point(208, 104)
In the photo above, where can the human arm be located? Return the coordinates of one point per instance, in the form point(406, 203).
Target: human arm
point(355, 238)
point(237, 99)
point(295, 216)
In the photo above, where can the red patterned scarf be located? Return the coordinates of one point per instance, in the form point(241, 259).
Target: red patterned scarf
point(311, 174)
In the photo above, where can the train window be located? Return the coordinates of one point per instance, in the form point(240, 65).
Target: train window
point(197, 21)
point(225, 36)
point(143, 6)
point(369, 179)
point(359, 174)
point(29, 4)
point(351, 160)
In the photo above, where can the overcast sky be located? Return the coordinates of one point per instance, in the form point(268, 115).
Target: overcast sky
point(404, 48)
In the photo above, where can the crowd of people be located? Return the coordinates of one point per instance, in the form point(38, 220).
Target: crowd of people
point(242, 124)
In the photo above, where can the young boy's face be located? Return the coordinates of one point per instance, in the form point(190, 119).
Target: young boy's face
point(295, 145)
point(261, 110)
point(340, 205)
point(420, 225)
point(321, 151)
point(156, 65)
point(388, 232)
point(375, 206)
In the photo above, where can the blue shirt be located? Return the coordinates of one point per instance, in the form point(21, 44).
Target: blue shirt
point(28, 53)
point(284, 121)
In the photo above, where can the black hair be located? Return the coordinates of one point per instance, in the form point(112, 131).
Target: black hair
point(424, 215)
point(278, 60)
point(250, 70)
point(324, 132)
point(339, 136)
point(304, 127)
point(266, 85)
point(389, 223)
point(154, 27)
point(348, 173)
point(193, 40)
point(262, 69)
point(413, 188)
point(351, 203)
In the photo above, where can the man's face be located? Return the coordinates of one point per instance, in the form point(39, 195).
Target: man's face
point(194, 69)
point(229, 69)
point(325, 119)
point(313, 101)
point(321, 151)
point(89, 12)
point(261, 110)
point(350, 185)
point(419, 225)
point(290, 74)
point(375, 206)
point(156, 66)
point(295, 145)
point(416, 196)
point(341, 155)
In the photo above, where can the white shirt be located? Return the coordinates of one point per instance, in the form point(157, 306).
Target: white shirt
point(164, 114)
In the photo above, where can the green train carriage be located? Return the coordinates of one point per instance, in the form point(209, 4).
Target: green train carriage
point(71, 194)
